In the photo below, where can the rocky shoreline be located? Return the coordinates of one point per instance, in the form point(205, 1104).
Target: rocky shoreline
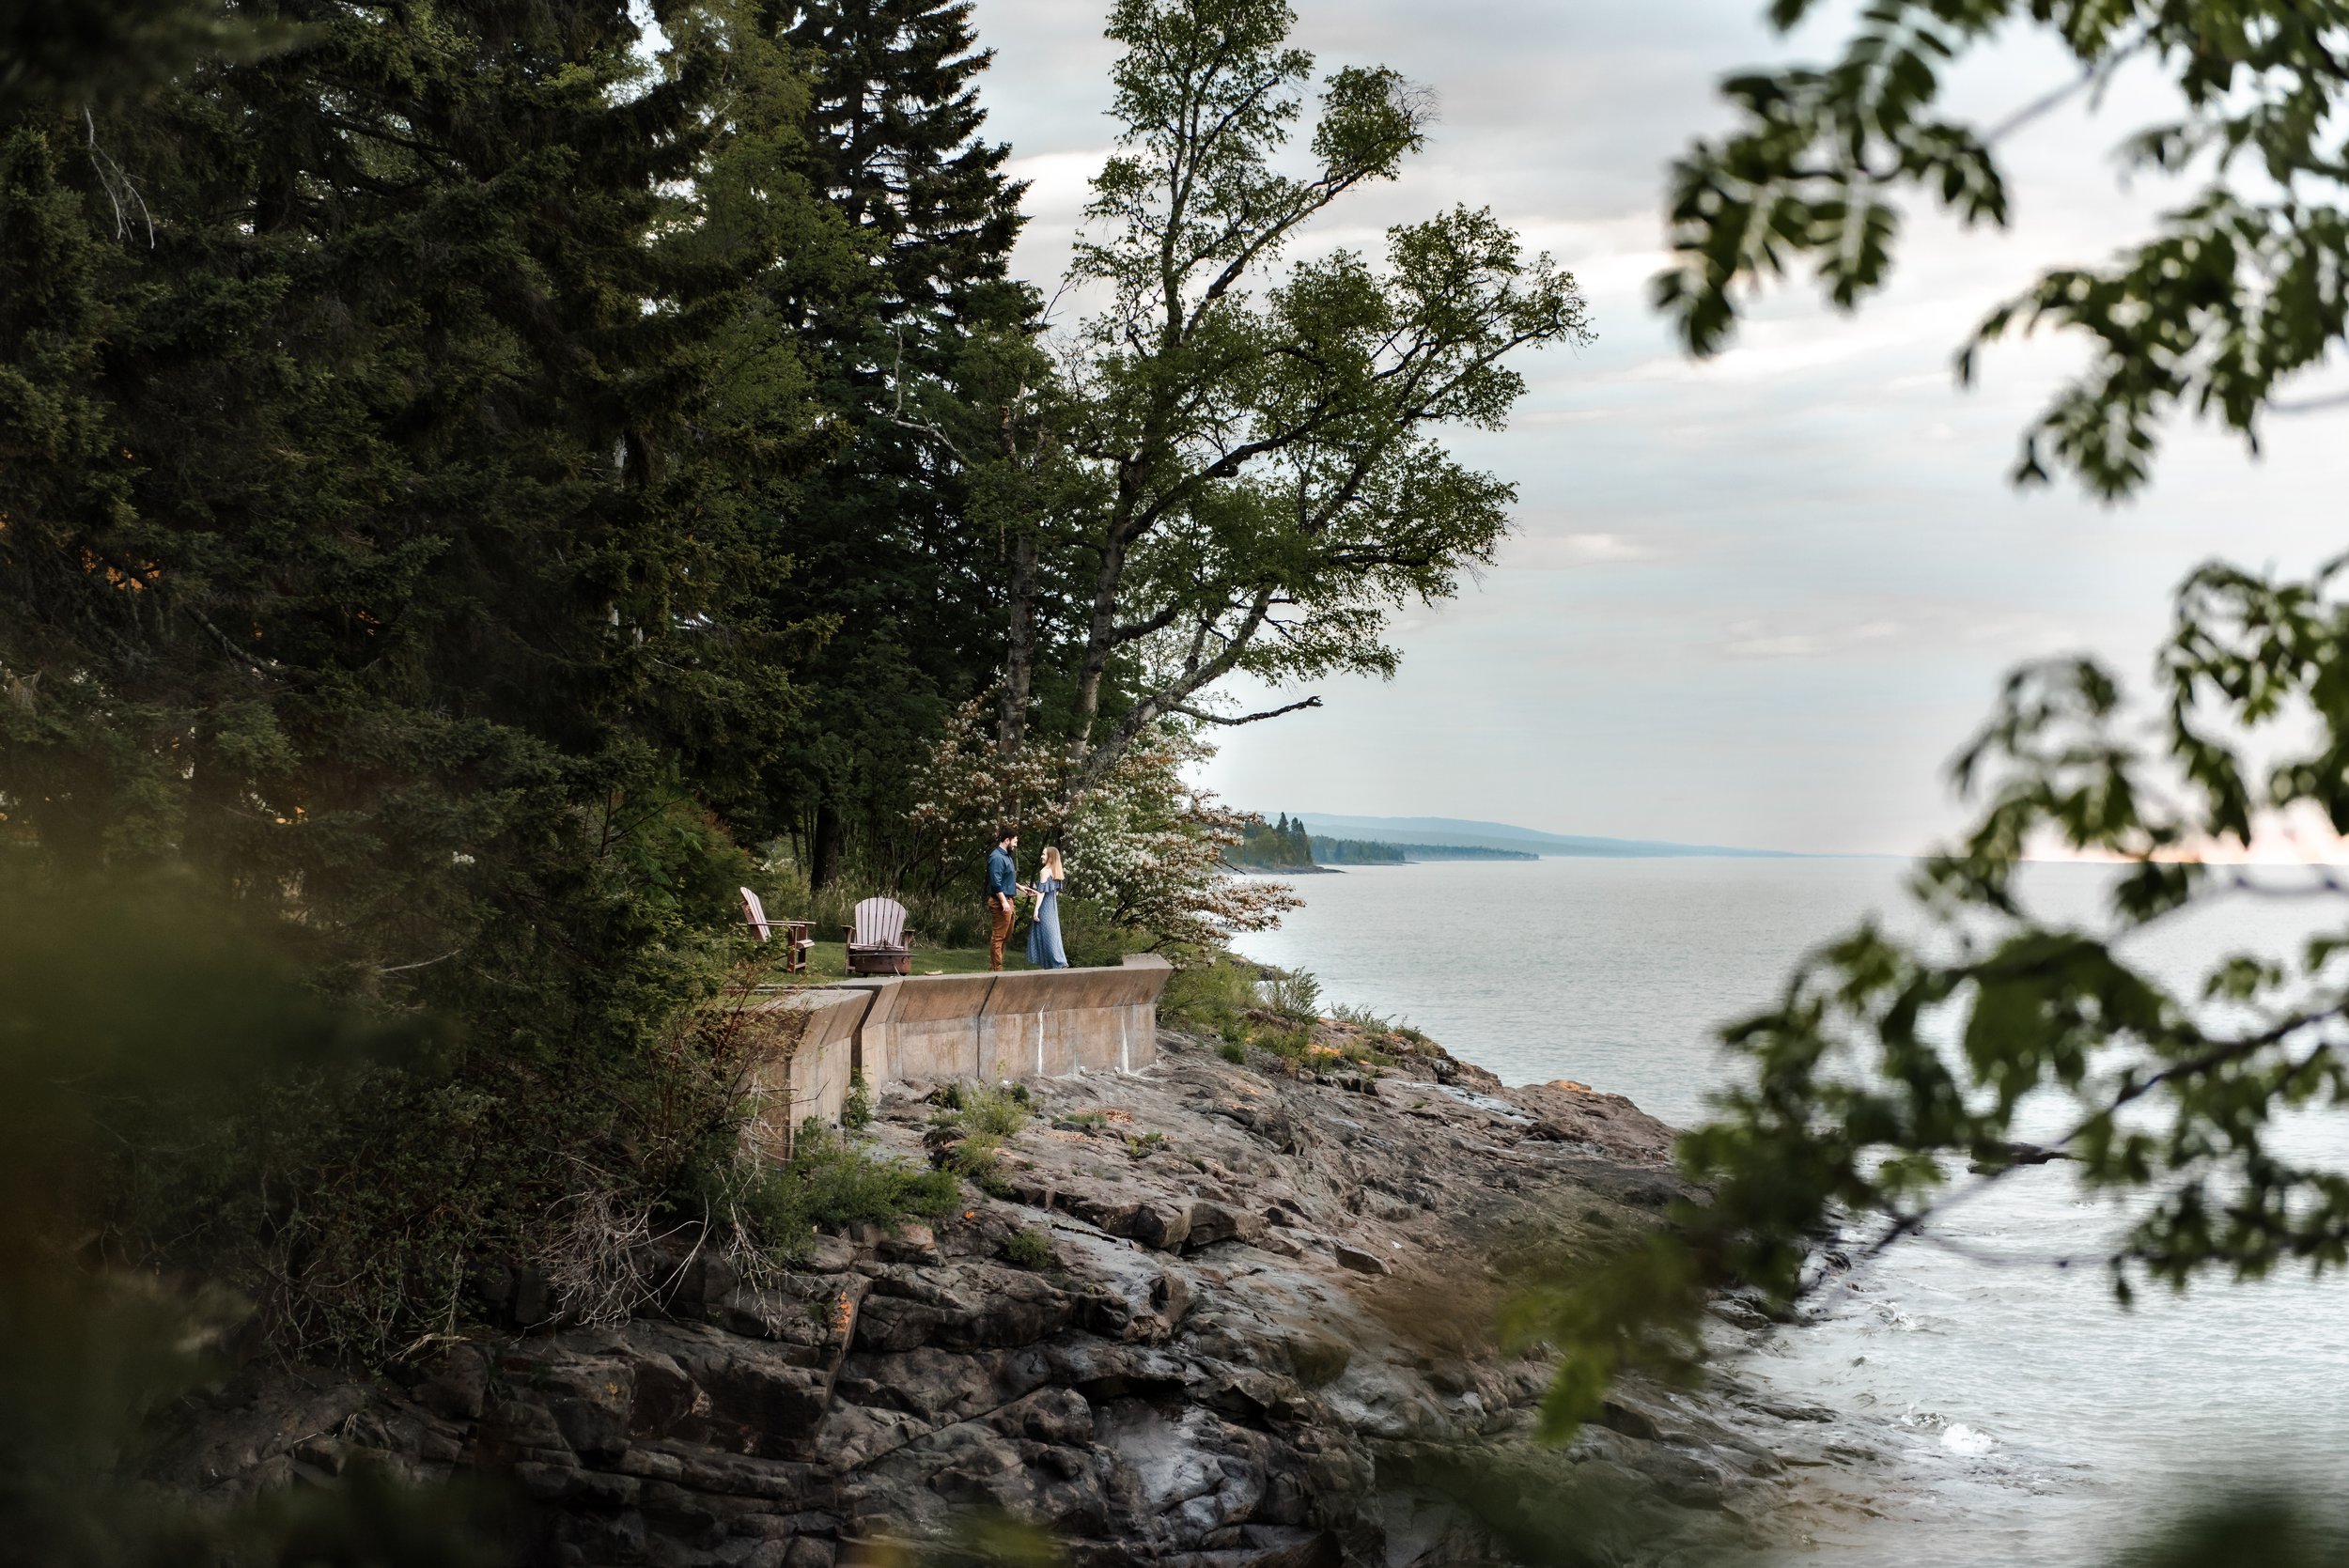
point(1249, 1325)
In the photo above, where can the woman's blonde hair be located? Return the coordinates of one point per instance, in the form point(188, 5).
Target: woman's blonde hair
point(1052, 866)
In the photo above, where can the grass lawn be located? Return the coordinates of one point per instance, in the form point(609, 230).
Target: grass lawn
point(830, 961)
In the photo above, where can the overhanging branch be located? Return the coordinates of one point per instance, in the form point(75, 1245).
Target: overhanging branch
point(1207, 717)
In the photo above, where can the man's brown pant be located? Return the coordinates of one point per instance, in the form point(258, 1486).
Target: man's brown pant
point(1002, 910)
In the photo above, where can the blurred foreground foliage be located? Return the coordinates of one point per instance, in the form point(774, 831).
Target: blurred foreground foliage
point(2236, 296)
point(1891, 1062)
point(141, 1037)
point(189, 1105)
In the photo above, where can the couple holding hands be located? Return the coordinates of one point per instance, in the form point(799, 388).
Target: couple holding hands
point(1003, 895)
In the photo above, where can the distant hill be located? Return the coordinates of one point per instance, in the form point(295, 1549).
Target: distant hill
point(1283, 844)
point(1451, 830)
point(1366, 851)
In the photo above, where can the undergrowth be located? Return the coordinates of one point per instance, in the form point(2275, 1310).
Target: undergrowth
point(1294, 994)
point(829, 1181)
point(1027, 1249)
point(1211, 1000)
point(986, 1119)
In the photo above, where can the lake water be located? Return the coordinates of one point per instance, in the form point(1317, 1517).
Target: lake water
point(2025, 1416)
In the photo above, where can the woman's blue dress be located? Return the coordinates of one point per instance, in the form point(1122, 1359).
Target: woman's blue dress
point(1043, 947)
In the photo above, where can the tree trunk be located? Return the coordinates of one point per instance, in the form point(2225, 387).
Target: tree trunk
point(828, 847)
point(1101, 639)
point(1011, 719)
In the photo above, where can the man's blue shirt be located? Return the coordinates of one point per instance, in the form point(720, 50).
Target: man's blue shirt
point(1002, 875)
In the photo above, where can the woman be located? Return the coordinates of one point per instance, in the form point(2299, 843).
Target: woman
point(1044, 945)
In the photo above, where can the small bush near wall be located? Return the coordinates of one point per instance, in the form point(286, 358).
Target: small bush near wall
point(830, 1181)
point(1091, 938)
point(1027, 1249)
point(1212, 999)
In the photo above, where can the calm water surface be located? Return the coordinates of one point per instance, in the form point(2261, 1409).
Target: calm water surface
point(2026, 1416)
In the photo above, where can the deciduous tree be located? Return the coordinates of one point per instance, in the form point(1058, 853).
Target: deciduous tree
point(1263, 477)
point(1893, 1066)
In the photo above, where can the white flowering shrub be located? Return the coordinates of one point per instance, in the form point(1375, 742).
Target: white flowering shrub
point(1147, 848)
point(1144, 848)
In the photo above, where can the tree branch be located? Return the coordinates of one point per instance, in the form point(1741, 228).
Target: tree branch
point(1207, 717)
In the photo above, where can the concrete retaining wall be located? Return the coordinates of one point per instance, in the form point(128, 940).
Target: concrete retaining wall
point(805, 1045)
point(1026, 1023)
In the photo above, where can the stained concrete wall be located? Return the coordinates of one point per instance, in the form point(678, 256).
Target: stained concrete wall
point(1026, 1023)
point(803, 1045)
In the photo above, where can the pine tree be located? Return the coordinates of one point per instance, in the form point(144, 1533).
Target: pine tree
point(366, 521)
point(396, 445)
point(884, 543)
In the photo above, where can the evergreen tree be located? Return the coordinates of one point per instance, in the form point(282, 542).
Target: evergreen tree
point(394, 441)
point(370, 514)
point(886, 551)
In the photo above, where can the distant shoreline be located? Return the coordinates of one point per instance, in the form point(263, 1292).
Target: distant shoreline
point(1404, 832)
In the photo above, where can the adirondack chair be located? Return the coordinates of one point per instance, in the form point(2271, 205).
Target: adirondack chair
point(797, 941)
point(877, 942)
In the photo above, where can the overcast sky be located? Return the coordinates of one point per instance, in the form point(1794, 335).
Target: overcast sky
point(1755, 601)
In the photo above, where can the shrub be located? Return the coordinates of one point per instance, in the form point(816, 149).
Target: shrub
point(1092, 938)
point(1146, 1144)
point(1029, 1248)
point(1292, 993)
point(856, 1112)
point(1290, 1045)
point(829, 1181)
point(979, 1161)
point(1210, 999)
point(1362, 1017)
point(998, 1112)
point(1234, 1052)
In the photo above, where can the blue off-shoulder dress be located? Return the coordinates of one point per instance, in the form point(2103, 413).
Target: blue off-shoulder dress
point(1043, 947)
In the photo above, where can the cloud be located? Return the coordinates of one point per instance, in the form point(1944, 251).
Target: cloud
point(1758, 639)
point(1604, 547)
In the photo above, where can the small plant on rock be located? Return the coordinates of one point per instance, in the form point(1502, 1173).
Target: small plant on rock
point(828, 1182)
point(1290, 1045)
point(1234, 1052)
point(979, 1161)
point(1209, 1000)
point(1029, 1248)
point(999, 1112)
point(1292, 993)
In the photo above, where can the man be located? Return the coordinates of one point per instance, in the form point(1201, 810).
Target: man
point(1002, 888)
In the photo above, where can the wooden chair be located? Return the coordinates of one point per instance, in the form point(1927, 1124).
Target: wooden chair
point(876, 941)
point(796, 937)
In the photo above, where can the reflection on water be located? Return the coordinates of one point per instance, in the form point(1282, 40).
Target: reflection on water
point(2026, 1415)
